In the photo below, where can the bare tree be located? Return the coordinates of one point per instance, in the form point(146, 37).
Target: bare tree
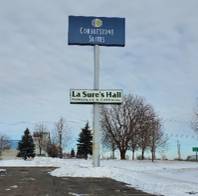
point(61, 135)
point(134, 125)
point(41, 136)
point(137, 120)
point(122, 122)
point(145, 124)
point(114, 122)
point(4, 143)
point(157, 137)
point(142, 121)
point(150, 134)
point(134, 141)
point(194, 123)
point(108, 142)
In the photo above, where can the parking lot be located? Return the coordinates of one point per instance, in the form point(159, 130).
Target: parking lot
point(31, 181)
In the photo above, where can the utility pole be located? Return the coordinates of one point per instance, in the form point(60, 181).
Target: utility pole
point(178, 150)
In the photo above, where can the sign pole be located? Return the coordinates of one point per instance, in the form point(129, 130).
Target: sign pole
point(95, 31)
point(96, 111)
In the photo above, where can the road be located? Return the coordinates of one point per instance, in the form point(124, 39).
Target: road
point(31, 181)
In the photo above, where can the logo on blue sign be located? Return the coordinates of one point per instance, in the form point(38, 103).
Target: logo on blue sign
point(96, 31)
point(96, 22)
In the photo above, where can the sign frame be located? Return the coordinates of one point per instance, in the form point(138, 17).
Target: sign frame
point(92, 30)
point(94, 99)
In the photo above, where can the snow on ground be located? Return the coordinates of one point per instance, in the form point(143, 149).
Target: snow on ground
point(172, 178)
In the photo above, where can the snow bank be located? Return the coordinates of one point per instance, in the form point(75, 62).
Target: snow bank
point(36, 162)
point(172, 178)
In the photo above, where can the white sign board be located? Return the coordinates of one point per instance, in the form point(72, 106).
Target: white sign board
point(85, 96)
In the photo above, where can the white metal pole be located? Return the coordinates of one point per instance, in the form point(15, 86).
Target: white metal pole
point(96, 112)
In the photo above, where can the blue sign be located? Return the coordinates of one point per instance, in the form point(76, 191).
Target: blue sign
point(92, 30)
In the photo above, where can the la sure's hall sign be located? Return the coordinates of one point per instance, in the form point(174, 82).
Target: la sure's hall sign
point(96, 96)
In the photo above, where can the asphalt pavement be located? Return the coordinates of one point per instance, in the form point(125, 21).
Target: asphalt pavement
point(31, 181)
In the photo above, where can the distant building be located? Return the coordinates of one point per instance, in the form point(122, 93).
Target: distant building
point(12, 152)
point(192, 158)
point(9, 154)
point(41, 141)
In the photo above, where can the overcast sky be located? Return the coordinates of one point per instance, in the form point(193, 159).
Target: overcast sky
point(37, 67)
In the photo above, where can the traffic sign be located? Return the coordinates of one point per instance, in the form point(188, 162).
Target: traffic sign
point(195, 149)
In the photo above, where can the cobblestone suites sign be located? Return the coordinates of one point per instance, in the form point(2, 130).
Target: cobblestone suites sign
point(92, 30)
point(79, 96)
